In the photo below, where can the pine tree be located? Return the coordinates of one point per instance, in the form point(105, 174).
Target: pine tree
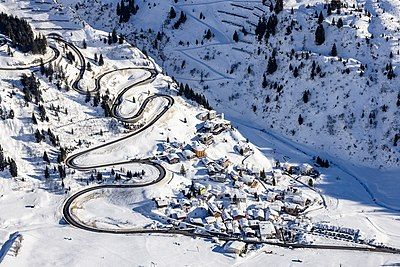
point(114, 36)
point(182, 171)
point(84, 44)
point(260, 29)
point(121, 39)
point(46, 173)
point(13, 168)
point(306, 96)
point(118, 9)
point(42, 68)
point(300, 119)
point(172, 13)
point(3, 163)
point(39, 137)
point(295, 72)
point(101, 60)
point(334, 51)
point(88, 96)
point(208, 34)
point(271, 25)
point(235, 37)
point(264, 82)
point(272, 65)
point(320, 35)
point(278, 6)
point(339, 23)
point(63, 155)
point(34, 120)
point(46, 157)
point(320, 18)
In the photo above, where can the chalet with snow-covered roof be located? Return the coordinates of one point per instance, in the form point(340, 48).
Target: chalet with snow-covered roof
point(210, 220)
point(249, 232)
point(243, 148)
point(216, 126)
point(267, 230)
point(198, 149)
point(178, 214)
point(206, 139)
point(236, 247)
point(173, 158)
point(291, 208)
point(302, 201)
point(214, 210)
point(188, 154)
point(238, 214)
point(162, 202)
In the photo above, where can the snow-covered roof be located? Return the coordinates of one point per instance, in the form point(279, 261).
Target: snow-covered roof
point(198, 146)
point(188, 154)
point(172, 156)
point(266, 228)
point(210, 219)
point(235, 246)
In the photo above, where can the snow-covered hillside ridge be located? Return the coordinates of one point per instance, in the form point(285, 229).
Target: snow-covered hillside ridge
point(97, 140)
point(341, 100)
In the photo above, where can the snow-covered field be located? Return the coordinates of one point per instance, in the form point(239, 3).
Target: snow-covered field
point(357, 197)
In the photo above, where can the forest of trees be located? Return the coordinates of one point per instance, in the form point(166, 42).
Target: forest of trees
point(190, 94)
point(31, 88)
point(125, 9)
point(21, 34)
point(6, 161)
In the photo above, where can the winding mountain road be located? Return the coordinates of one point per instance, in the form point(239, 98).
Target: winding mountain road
point(71, 162)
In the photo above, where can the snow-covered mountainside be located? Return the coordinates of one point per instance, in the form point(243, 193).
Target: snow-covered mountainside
point(111, 155)
point(343, 101)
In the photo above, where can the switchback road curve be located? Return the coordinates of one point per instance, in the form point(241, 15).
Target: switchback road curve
point(55, 55)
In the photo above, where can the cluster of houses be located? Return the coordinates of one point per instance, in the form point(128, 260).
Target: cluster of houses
point(231, 199)
point(174, 152)
point(242, 212)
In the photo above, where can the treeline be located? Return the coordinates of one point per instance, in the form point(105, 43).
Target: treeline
point(21, 34)
point(187, 92)
point(8, 162)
